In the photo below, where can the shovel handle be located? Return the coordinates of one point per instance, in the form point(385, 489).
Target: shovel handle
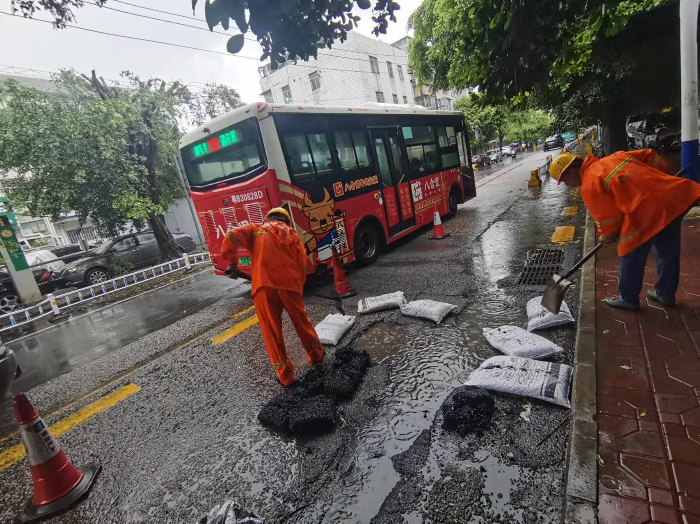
point(581, 262)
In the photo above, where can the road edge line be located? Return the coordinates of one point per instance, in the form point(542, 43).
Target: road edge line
point(581, 479)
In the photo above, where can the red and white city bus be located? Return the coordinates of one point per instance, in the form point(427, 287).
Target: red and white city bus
point(367, 175)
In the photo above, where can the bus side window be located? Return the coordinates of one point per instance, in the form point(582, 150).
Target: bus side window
point(359, 139)
point(300, 160)
point(345, 149)
point(422, 150)
point(321, 153)
point(448, 147)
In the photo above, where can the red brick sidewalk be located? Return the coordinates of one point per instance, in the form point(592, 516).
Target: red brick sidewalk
point(649, 397)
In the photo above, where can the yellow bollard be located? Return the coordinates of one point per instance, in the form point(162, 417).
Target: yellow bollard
point(535, 180)
point(549, 158)
point(589, 150)
point(592, 136)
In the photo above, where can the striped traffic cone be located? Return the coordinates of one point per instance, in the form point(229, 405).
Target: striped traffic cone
point(438, 230)
point(342, 288)
point(58, 485)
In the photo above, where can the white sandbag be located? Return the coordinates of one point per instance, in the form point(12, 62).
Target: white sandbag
point(430, 309)
point(547, 381)
point(539, 317)
point(516, 342)
point(380, 303)
point(332, 328)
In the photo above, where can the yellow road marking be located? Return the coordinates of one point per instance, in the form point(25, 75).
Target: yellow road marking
point(235, 330)
point(563, 234)
point(17, 452)
point(128, 372)
point(570, 211)
point(241, 313)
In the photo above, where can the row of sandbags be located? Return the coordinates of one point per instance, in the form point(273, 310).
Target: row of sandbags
point(522, 371)
point(332, 328)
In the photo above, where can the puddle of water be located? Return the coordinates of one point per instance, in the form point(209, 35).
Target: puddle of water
point(498, 481)
point(382, 340)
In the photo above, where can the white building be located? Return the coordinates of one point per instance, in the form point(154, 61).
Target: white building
point(361, 69)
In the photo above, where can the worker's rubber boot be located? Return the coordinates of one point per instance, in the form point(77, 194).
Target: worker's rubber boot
point(653, 295)
point(620, 303)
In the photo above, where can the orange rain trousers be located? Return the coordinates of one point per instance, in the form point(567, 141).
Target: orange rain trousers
point(269, 303)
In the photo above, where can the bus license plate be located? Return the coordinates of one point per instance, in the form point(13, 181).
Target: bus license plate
point(244, 261)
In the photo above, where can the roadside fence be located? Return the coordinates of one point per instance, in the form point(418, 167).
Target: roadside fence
point(55, 305)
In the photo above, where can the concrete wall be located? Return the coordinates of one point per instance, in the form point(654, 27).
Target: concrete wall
point(345, 74)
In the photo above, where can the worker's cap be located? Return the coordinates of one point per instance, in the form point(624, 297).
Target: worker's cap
point(561, 164)
point(279, 211)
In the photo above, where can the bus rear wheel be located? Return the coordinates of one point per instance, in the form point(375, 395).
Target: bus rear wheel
point(368, 244)
point(454, 201)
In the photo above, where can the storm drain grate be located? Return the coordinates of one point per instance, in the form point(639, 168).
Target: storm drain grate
point(541, 264)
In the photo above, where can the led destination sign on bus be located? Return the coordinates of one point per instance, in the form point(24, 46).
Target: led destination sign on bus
point(214, 144)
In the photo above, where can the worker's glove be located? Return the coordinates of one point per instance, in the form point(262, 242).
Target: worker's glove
point(234, 272)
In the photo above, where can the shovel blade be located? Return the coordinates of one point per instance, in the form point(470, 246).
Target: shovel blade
point(554, 294)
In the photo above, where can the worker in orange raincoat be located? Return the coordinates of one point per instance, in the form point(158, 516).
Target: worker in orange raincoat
point(278, 260)
point(636, 203)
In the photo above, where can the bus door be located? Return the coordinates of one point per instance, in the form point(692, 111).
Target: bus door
point(393, 175)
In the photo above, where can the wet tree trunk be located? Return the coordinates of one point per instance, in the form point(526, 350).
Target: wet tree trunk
point(614, 129)
point(169, 250)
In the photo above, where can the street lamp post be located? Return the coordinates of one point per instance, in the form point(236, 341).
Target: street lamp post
point(689, 88)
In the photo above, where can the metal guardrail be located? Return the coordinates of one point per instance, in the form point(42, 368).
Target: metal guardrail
point(55, 304)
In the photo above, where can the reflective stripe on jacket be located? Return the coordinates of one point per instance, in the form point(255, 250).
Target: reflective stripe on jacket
point(629, 193)
point(278, 258)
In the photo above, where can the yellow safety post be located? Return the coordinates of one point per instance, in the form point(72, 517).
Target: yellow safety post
point(535, 180)
point(534, 148)
point(589, 150)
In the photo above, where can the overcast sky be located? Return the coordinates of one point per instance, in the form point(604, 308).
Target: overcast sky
point(36, 45)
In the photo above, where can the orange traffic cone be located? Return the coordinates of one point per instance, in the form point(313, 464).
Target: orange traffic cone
point(438, 230)
point(58, 485)
point(342, 288)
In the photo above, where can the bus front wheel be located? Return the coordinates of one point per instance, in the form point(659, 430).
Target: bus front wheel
point(368, 243)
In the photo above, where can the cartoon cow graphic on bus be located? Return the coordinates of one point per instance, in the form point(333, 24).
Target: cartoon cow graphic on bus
point(322, 222)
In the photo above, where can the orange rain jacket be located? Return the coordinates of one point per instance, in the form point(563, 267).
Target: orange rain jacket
point(630, 193)
point(278, 256)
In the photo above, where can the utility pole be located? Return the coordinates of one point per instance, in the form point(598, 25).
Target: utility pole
point(689, 88)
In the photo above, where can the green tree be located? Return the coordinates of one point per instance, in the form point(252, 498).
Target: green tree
point(529, 126)
point(103, 151)
point(285, 29)
point(584, 54)
point(491, 120)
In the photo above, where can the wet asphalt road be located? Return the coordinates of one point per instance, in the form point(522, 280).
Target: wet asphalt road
point(189, 438)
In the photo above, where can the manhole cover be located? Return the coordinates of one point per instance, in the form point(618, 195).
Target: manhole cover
point(541, 264)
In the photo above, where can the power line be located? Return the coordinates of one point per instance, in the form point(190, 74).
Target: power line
point(227, 34)
point(203, 21)
point(172, 44)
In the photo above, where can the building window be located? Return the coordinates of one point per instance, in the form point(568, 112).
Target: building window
point(405, 99)
point(391, 70)
point(315, 79)
point(400, 70)
point(374, 65)
point(380, 97)
point(396, 98)
point(287, 94)
point(268, 97)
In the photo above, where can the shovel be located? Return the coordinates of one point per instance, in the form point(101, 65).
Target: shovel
point(556, 289)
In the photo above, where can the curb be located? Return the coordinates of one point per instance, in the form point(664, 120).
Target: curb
point(581, 501)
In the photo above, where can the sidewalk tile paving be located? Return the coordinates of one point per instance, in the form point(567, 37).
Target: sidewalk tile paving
point(649, 397)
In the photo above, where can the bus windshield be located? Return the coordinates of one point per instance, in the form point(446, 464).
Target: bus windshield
point(234, 152)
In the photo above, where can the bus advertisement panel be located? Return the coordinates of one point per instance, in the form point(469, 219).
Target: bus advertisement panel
point(364, 175)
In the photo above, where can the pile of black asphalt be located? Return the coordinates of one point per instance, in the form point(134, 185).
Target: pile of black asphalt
point(308, 407)
point(468, 409)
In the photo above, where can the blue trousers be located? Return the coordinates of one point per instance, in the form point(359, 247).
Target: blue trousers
point(668, 265)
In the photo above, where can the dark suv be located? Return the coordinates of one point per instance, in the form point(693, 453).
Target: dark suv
point(554, 142)
point(138, 250)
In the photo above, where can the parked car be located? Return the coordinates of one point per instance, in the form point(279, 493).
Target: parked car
point(139, 250)
point(495, 155)
point(50, 260)
point(554, 142)
point(655, 133)
point(9, 297)
point(507, 151)
point(482, 160)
